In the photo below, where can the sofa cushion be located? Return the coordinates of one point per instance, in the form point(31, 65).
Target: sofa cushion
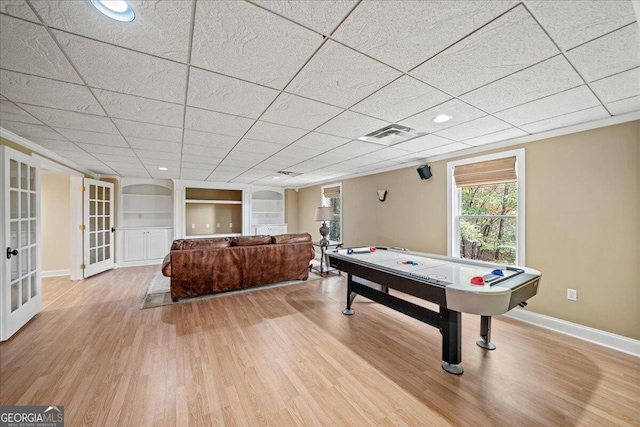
point(251, 240)
point(217, 242)
point(291, 238)
point(166, 266)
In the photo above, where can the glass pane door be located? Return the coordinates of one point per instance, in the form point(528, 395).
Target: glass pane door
point(98, 222)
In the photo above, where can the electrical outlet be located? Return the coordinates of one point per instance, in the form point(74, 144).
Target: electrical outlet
point(572, 294)
point(193, 226)
point(230, 225)
point(207, 225)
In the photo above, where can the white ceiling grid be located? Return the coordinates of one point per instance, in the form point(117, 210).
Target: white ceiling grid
point(235, 91)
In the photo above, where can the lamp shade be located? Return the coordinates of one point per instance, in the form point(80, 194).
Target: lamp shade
point(324, 213)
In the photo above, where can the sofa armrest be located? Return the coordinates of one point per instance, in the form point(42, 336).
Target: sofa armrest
point(166, 265)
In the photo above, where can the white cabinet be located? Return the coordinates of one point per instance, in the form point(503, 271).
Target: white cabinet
point(267, 211)
point(144, 245)
point(270, 229)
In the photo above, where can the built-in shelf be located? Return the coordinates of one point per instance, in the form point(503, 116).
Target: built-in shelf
point(267, 211)
point(212, 212)
point(219, 202)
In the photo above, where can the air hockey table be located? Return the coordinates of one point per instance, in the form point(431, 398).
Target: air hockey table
point(456, 285)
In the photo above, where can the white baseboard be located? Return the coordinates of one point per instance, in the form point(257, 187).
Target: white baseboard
point(55, 273)
point(596, 336)
point(123, 264)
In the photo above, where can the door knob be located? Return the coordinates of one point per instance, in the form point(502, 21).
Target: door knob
point(10, 252)
point(113, 229)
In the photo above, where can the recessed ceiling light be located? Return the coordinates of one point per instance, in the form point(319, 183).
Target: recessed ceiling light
point(276, 177)
point(441, 118)
point(162, 169)
point(115, 9)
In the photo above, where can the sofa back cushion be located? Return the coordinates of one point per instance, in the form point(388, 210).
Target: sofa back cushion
point(217, 242)
point(251, 240)
point(291, 238)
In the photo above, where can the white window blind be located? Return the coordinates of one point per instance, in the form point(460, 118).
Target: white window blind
point(331, 192)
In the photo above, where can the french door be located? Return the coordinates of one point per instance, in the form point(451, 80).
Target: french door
point(20, 288)
point(98, 223)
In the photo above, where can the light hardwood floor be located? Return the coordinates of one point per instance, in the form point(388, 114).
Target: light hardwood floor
point(287, 356)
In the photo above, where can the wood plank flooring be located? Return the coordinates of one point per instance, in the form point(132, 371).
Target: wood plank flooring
point(287, 356)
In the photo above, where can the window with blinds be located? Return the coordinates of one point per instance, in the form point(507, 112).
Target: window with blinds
point(331, 196)
point(487, 222)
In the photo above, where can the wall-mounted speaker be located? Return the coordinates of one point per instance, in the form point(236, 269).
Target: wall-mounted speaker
point(424, 172)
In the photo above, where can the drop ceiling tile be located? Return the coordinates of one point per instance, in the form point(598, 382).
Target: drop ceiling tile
point(474, 128)
point(275, 163)
point(33, 90)
point(229, 170)
point(340, 76)
point(209, 121)
point(224, 94)
point(310, 165)
point(444, 149)
point(194, 175)
point(139, 109)
point(571, 23)
point(160, 28)
point(107, 149)
point(113, 68)
point(614, 53)
point(205, 150)
point(576, 99)
point(321, 16)
point(278, 134)
point(320, 141)
point(11, 112)
point(299, 112)
point(357, 148)
point(28, 48)
point(235, 155)
point(93, 137)
point(204, 161)
point(619, 86)
point(256, 45)
point(351, 125)
point(149, 130)
point(71, 119)
point(572, 118)
point(386, 154)
point(200, 167)
point(252, 146)
point(501, 135)
point(18, 8)
point(330, 157)
point(102, 169)
point(546, 78)
point(509, 44)
point(152, 144)
point(28, 130)
point(77, 156)
point(351, 163)
point(154, 164)
point(146, 155)
point(194, 137)
point(460, 112)
point(400, 99)
point(405, 33)
point(56, 144)
point(114, 160)
point(624, 105)
point(422, 143)
point(298, 153)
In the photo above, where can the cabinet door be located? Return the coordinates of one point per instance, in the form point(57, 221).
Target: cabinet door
point(157, 244)
point(134, 245)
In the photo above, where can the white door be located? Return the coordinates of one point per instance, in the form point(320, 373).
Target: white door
point(20, 290)
point(98, 223)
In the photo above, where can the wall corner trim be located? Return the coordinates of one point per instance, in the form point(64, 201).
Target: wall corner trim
point(596, 336)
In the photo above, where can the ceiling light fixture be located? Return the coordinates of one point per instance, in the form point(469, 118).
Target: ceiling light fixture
point(441, 118)
point(115, 9)
point(276, 177)
point(162, 168)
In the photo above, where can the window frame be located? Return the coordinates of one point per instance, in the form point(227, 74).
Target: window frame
point(454, 201)
point(325, 201)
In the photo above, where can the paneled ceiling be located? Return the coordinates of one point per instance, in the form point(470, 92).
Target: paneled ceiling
point(235, 91)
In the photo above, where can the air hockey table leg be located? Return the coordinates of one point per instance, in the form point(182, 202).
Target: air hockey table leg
point(485, 334)
point(350, 297)
point(451, 330)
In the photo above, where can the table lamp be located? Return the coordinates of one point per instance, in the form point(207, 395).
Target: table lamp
point(324, 214)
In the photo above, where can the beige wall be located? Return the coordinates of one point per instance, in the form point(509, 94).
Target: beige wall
point(291, 210)
point(583, 232)
point(54, 208)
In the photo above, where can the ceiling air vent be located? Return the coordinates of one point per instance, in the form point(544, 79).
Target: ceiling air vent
point(391, 135)
point(289, 173)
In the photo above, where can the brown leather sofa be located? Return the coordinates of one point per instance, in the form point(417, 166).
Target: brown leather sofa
point(205, 266)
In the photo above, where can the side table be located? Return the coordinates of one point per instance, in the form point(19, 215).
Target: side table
point(324, 261)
